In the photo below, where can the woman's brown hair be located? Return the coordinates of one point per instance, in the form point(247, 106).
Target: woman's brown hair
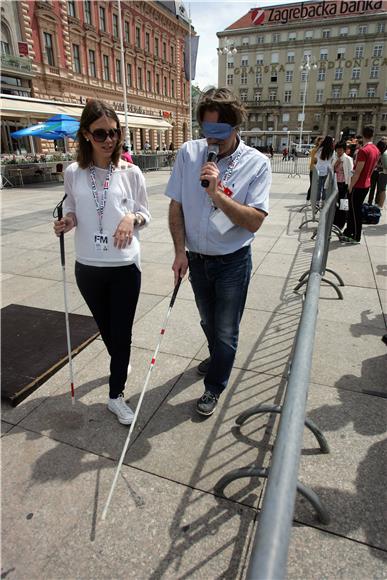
point(223, 101)
point(93, 110)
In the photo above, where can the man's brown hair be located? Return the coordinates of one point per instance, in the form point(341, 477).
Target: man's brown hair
point(93, 110)
point(222, 100)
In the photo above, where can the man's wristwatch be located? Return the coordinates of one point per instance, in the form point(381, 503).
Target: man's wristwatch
point(138, 219)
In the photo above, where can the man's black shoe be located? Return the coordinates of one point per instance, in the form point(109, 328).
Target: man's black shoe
point(207, 403)
point(203, 366)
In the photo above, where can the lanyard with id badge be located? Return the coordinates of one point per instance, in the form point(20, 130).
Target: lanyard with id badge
point(222, 223)
point(101, 238)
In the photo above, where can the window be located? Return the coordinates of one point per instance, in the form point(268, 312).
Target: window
point(164, 51)
point(344, 31)
point(341, 53)
point(71, 8)
point(274, 57)
point(378, 50)
point(243, 78)
point(139, 78)
point(87, 11)
point(126, 32)
point(259, 59)
point(304, 75)
point(287, 99)
point(172, 54)
point(374, 72)
point(352, 93)
point(307, 53)
point(118, 71)
point(106, 71)
point(165, 86)
point(129, 75)
point(230, 79)
point(323, 54)
point(326, 33)
point(385, 96)
point(147, 42)
point(275, 37)
point(243, 95)
point(172, 88)
point(336, 92)
point(138, 37)
point(371, 91)
point(245, 41)
point(257, 96)
point(244, 60)
point(149, 81)
point(285, 117)
point(260, 39)
point(292, 36)
point(289, 76)
point(258, 78)
point(319, 95)
point(363, 29)
point(157, 53)
point(273, 76)
point(230, 61)
point(92, 68)
point(158, 84)
point(355, 74)
point(290, 57)
point(380, 27)
point(102, 19)
point(272, 94)
point(338, 74)
point(48, 47)
point(5, 47)
point(359, 51)
point(308, 34)
point(76, 58)
point(115, 25)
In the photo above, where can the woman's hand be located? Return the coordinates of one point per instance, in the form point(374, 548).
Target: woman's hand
point(67, 223)
point(124, 233)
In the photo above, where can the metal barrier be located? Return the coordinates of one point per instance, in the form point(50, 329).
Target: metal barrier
point(294, 166)
point(155, 161)
point(272, 538)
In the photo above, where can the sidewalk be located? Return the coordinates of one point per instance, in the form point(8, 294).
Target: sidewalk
point(164, 521)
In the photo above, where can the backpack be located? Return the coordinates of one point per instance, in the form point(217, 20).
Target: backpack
point(370, 214)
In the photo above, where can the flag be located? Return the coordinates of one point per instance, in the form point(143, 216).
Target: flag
point(191, 45)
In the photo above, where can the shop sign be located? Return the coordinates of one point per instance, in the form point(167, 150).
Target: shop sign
point(23, 48)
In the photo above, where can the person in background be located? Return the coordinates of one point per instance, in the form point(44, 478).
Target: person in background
point(366, 160)
point(342, 166)
point(324, 156)
point(313, 161)
point(271, 151)
point(382, 181)
point(147, 146)
point(106, 206)
point(378, 179)
point(285, 152)
point(125, 155)
point(171, 147)
point(217, 223)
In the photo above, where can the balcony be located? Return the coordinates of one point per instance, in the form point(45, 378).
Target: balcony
point(16, 64)
point(262, 103)
point(353, 101)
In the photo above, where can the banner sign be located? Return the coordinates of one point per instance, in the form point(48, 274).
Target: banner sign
point(190, 47)
point(309, 11)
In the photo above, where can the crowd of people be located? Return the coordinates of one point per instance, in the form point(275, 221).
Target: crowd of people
point(360, 168)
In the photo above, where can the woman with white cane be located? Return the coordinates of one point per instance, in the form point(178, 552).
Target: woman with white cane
point(106, 202)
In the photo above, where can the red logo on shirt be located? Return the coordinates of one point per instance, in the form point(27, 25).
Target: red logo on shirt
point(226, 190)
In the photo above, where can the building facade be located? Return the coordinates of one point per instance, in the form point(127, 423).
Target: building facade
point(314, 67)
point(76, 54)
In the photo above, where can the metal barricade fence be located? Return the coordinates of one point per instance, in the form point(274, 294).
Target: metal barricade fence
point(154, 161)
point(292, 165)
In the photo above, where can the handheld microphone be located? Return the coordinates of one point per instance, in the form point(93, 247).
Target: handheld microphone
point(213, 151)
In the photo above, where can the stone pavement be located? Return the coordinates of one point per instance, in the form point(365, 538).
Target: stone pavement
point(164, 521)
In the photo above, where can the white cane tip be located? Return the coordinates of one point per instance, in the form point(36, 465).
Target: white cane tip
point(72, 401)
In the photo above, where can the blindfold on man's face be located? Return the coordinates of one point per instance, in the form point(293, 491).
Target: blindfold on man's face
point(219, 131)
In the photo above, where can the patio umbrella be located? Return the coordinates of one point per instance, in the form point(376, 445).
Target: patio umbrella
point(56, 127)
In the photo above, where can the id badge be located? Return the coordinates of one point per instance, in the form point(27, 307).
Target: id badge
point(344, 206)
point(222, 223)
point(101, 241)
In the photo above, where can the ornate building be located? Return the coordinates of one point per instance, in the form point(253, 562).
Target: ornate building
point(319, 64)
point(76, 55)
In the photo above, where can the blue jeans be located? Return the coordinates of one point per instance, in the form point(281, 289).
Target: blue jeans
point(321, 192)
point(220, 286)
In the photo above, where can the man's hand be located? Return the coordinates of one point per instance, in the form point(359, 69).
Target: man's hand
point(180, 266)
point(210, 171)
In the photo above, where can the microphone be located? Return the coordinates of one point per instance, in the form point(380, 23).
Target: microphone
point(213, 151)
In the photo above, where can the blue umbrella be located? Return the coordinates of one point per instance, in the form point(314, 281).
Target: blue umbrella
point(56, 127)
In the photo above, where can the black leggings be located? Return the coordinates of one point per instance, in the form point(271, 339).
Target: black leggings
point(112, 293)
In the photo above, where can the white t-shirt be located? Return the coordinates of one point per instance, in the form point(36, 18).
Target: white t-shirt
point(126, 194)
point(323, 165)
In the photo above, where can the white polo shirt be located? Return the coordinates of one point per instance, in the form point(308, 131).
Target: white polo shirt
point(248, 175)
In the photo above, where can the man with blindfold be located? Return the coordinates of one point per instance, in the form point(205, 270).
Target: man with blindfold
point(219, 191)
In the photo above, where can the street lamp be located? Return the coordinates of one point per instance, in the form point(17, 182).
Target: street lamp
point(227, 49)
point(306, 66)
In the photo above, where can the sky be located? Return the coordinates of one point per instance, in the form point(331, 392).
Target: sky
point(211, 17)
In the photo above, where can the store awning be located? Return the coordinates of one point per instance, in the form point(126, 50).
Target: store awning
point(25, 108)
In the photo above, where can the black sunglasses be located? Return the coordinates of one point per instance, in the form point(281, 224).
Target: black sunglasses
point(100, 135)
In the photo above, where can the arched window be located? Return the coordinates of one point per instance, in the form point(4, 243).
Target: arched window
point(6, 43)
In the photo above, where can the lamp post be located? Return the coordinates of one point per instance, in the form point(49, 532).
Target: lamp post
point(306, 66)
point(227, 49)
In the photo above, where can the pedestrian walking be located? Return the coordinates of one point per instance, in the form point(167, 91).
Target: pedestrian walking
point(107, 204)
point(324, 156)
point(125, 155)
point(342, 166)
point(219, 191)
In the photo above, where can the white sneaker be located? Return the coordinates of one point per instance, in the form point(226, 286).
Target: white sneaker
point(124, 413)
